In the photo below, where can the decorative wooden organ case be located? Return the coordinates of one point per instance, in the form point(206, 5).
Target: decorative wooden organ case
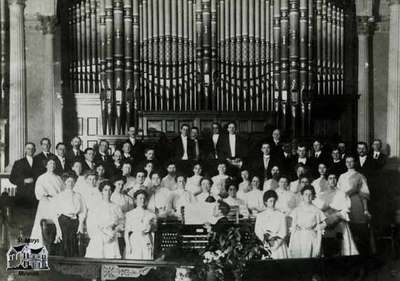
point(216, 57)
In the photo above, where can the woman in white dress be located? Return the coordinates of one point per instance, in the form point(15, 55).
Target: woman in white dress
point(140, 225)
point(321, 184)
point(180, 197)
point(254, 198)
point(106, 220)
point(244, 186)
point(287, 200)
point(308, 223)
point(47, 187)
point(193, 183)
point(271, 227)
point(219, 181)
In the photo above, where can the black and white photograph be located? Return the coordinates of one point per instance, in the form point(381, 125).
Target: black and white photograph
point(200, 140)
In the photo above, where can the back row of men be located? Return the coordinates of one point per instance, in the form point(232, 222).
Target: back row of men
point(188, 148)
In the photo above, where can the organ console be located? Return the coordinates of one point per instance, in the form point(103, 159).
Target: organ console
point(220, 56)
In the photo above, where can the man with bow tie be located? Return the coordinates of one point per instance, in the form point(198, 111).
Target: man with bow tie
point(42, 158)
point(137, 147)
point(62, 166)
point(88, 164)
point(318, 156)
point(378, 157)
point(264, 162)
point(75, 153)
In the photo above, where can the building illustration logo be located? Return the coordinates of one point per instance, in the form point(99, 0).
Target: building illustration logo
point(24, 257)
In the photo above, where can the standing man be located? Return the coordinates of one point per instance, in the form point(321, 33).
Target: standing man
point(184, 150)
point(378, 157)
point(62, 166)
point(23, 176)
point(276, 144)
point(137, 148)
point(75, 154)
point(264, 162)
point(337, 166)
point(103, 157)
point(88, 164)
point(198, 144)
point(42, 158)
point(364, 162)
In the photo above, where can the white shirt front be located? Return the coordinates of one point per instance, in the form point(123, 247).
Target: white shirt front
point(76, 152)
point(266, 161)
point(317, 154)
point(90, 164)
point(215, 138)
point(184, 143)
point(362, 160)
point(302, 160)
point(376, 154)
point(232, 144)
point(62, 161)
point(30, 160)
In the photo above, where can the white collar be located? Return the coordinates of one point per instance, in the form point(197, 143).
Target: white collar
point(363, 157)
point(266, 156)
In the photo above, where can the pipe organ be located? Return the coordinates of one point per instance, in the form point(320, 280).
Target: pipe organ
point(216, 56)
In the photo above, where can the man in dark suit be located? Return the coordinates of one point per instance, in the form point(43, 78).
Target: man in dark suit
point(42, 158)
point(150, 156)
point(88, 164)
point(212, 149)
point(75, 153)
point(127, 156)
point(286, 160)
point(103, 157)
point(276, 144)
point(62, 164)
point(364, 163)
point(23, 176)
point(378, 157)
point(184, 152)
point(342, 150)
point(137, 149)
point(301, 155)
point(317, 157)
point(337, 165)
point(263, 163)
point(199, 145)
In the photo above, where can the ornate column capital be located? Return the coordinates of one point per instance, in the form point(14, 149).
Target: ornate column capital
point(17, 2)
point(47, 23)
point(394, 2)
point(365, 25)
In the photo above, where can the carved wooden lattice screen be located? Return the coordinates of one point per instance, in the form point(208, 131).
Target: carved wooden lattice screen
point(206, 55)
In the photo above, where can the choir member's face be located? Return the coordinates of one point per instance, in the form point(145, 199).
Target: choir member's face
point(307, 196)
point(362, 149)
point(194, 134)
point(350, 163)
point(119, 185)
point(335, 154)
point(283, 183)
point(300, 171)
point(91, 180)
point(171, 169)
point(141, 200)
point(205, 185)
point(221, 168)
point(304, 182)
point(126, 148)
point(106, 193)
point(126, 170)
point(30, 149)
point(77, 168)
point(197, 169)
point(69, 183)
point(275, 171)
point(276, 134)
point(255, 183)
point(180, 181)
point(231, 128)
point(89, 155)
point(270, 203)
point(232, 191)
point(117, 156)
point(317, 146)
point(103, 147)
point(184, 131)
point(51, 166)
point(76, 142)
point(376, 145)
point(265, 149)
point(149, 167)
point(61, 150)
point(322, 169)
point(100, 171)
point(245, 175)
point(342, 147)
point(215, 129)
point(132, 132)
point(287, 148)
point(301, 151)
point(155, 180)
point(332, 181)
point(140, 177)
point(45, 145)
point(150, 154)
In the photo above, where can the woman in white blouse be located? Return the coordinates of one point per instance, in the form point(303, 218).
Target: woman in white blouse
point(180, 197)
point(254, 198)
point(106, 220)
point(193, 183)
point(70, 213)
point(140, 225)
point(271, 227)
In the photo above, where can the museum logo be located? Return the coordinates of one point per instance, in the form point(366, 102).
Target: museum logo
point(25, 257)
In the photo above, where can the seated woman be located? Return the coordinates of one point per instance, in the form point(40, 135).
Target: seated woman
point(271, 227)
point(104, 221)
point(160, 198)
point(101, 173)
point(124, 201)
point(139, 183)
point(47, 187)
point(180, 197)
point(244, 186)
point(140, 225)
point(70, 213)
point(205, 184)
point(254, 198)
point(287, 200)
point(308, 223)
point(218, 187)
point(193, 183)
point(321, 184)
point(272, 183)
point(233, 201)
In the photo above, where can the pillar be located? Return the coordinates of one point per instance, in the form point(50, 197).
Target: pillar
point(364, 106)
point(54, 103)
point(17, 126)
point(393, 100)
